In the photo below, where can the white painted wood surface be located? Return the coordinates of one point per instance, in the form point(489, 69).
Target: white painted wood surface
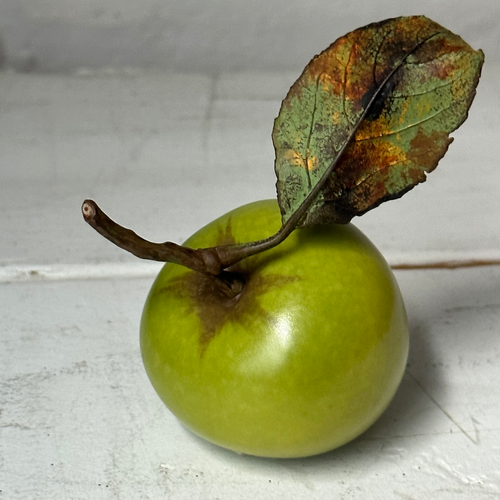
point(165, 154)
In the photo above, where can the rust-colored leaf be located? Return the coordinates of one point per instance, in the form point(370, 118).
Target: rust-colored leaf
point(370, 116)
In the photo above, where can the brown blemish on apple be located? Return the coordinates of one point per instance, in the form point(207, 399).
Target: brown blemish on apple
point(214, 309)
point(209, 300)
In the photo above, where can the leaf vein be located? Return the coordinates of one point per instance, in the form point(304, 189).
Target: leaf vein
point(404, 129)
point(306, 155)
point(416, 94)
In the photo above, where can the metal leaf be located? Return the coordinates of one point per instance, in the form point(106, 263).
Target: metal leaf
point(370, 116)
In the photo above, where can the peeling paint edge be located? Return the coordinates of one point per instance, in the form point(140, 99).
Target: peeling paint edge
point(108, 270)
point(448, 260)
point(451, 264)
point(63, 272)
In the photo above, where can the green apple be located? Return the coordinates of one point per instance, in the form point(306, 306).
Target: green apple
point(304, 359)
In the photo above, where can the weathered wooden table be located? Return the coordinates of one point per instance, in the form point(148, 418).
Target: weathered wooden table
point(165, 154)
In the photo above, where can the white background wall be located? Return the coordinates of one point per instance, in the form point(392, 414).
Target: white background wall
point(209, 35)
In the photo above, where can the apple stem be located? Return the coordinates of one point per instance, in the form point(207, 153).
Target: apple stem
point(204, 260)
point(212, 261)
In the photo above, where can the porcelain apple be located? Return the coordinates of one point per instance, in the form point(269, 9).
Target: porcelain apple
point(304, 359)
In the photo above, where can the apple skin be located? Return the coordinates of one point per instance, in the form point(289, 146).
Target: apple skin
point(304, 360)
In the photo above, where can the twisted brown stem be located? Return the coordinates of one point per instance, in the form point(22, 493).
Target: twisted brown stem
point(204, 260)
